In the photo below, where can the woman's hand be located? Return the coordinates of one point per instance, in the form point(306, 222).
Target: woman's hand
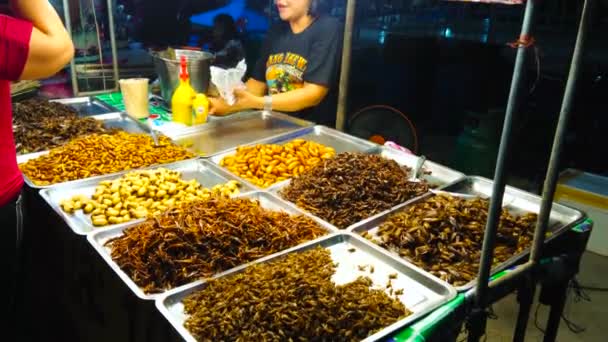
point(217, 106)
point(245, 99)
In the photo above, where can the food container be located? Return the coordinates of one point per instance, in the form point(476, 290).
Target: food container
point(135, 97)
point(167, 69)
point(517, 201)
point(98, 238)
point(204, 172)
point(422, 292)
point(222, 135)
point(329, 137)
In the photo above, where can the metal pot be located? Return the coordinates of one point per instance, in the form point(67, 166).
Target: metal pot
point(167, 69)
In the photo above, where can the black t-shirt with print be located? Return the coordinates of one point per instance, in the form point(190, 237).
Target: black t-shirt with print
point(287, 60)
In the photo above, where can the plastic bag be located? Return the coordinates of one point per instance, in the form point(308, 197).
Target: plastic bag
point(227, 80)
point(398, 147)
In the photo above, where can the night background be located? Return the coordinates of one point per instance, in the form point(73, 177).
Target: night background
point(446, 66)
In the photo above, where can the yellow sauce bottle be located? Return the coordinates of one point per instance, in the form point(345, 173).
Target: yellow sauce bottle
point(181, 101)
point(200, 109)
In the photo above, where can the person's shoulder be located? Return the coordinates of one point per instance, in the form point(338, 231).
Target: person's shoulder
point(278, 29)
point(326, 22)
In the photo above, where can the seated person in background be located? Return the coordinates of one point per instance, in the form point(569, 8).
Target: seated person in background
point(297, 69)
point(226, 45)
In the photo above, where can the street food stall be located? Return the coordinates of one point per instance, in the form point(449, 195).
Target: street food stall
point(261, 226)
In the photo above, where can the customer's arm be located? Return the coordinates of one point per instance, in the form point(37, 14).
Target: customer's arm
point(50, 46)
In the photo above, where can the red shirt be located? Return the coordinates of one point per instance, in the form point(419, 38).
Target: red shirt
point(15, 37)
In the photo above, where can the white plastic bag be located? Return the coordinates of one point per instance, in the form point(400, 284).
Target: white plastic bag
point(227, 80)
point(398, 147)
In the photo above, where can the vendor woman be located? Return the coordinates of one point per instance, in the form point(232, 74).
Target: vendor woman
point(33, 44)
point(297, 68)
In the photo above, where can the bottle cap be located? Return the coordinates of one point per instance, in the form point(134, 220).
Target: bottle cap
point(183, 70)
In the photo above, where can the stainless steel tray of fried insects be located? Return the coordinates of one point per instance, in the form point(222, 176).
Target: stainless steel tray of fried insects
point(516, 202)
point(99, 238)
point(352, 257)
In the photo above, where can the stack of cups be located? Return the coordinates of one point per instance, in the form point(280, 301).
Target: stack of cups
point(135, 97)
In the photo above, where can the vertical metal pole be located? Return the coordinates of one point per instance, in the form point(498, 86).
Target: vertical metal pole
point(499, 173)
point(345, 69)
point(525, 297)
point(555, 314)
point(112, 44)
point(558, 140)
point(68, 26)
point(478, 319)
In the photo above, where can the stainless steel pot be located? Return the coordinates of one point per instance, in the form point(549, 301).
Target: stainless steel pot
point(167, 69)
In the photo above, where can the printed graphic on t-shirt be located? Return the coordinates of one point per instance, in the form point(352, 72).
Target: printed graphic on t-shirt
point(284, 72)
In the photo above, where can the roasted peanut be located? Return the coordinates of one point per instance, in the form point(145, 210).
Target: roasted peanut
point(140, 193)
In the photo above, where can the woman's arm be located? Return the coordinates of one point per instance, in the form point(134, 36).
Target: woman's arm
point(256, 87)
point(309, 95)
point(50, 45)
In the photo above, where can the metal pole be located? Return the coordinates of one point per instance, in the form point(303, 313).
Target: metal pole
point(558, 140)
point(499, 173)
point(555, 314)
point(477, 322)
point(345, 68)
point(68, 26)
point(112, 45)
point(551, 173)
point(525, 297)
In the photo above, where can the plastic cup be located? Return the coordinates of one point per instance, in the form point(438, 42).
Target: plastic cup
point(135, 96)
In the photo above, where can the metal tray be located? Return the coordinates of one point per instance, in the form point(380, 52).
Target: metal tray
point(87, 106)
point(218, 136)
point(175, 130)
point(99, 178)
point(341, 142)
point(99, 237)
point(515, 200)
point(440, 177)
point(111, 120)
point(122, 121)
point(22, 158)
point(422, 292)
point(204, 172)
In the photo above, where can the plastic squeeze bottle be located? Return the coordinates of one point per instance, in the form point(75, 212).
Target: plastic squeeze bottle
point(181, 101)
point(200, 109)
